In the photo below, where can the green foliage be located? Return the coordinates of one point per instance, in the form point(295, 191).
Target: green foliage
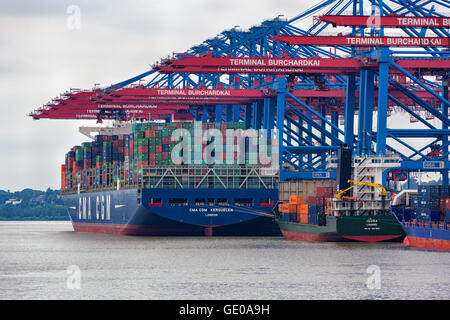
point(35, 205)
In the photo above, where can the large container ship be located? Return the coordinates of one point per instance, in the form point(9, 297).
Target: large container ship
point(424, 215)
point(128, 184)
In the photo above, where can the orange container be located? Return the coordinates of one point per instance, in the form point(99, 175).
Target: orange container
point(302, 218)
point(292, 208)
point(283, 207)
point(296, 200)
point(63, 177)
point(302, 209)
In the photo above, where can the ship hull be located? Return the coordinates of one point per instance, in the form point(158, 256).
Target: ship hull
point(427, 238)
point(341, 229)
point(135, 212)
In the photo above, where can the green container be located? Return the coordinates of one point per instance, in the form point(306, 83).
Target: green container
point(79, 155)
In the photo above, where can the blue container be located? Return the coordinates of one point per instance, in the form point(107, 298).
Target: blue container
point(312, 209)
point(414, 203)
point(444, 191)
point(423, 202)
point(447, 216)
point(422, 190)
point(312, 218)
point(434, 191)
point(423, 214)
point(99, 138)
point(434, 203)
point(434, 215)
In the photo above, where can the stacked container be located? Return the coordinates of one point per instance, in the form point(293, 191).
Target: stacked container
point(431, 204)
point(110, 158)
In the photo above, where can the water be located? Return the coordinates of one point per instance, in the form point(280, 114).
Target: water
point(35, 257)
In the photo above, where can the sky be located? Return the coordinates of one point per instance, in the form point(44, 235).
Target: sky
point(43, 55)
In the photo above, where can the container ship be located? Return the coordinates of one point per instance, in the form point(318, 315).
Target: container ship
point(324, 218)
point(128, 184)
point(424, 215)
point(327, 211)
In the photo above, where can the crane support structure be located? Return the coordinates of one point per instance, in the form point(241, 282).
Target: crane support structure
point(345, 78)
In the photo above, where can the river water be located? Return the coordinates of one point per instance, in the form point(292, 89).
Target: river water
point(47, 260)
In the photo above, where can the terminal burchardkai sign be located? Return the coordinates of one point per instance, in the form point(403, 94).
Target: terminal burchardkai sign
point(387, 21)
point(365, 41)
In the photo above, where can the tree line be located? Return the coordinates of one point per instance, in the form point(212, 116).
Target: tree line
point(35, 205)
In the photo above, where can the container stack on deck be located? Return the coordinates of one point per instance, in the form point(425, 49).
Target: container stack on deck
point(309, 213)
point(110, 158)
point(432, 204)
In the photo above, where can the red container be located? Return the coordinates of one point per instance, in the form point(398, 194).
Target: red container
point(312, 201)
point(315, 201)
point(159, 148)
point(165, 156)
point(324, 192)
point(447, 204)
point(152, 156)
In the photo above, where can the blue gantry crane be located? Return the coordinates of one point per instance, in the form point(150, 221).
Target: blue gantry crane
point(384, 56)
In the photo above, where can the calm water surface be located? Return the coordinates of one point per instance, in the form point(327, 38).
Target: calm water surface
point(35, 256)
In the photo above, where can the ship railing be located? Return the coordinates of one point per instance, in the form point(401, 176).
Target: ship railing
point(223, 177)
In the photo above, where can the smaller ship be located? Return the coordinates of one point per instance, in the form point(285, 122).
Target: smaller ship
point(325, 218)
point(345, 210)
point(424, 215)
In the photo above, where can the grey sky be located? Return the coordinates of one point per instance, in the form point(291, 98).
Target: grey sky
point(41, 57)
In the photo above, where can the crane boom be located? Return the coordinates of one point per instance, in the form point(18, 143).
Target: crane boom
point(355, 183)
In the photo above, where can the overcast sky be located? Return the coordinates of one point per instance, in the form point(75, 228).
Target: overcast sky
point(41, 57)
